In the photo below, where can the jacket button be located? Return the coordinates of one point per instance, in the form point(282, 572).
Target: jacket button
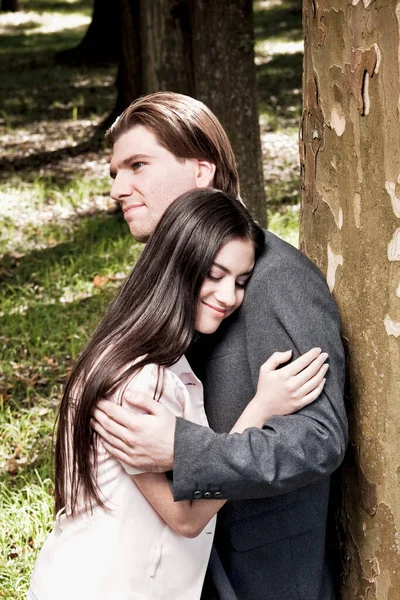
point(208, 495)
point(197, 494)
point(217, 495)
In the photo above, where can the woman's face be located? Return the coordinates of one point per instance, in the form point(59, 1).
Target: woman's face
point(223, 289)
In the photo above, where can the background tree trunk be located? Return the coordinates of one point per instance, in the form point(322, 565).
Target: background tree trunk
point(167, 46)
point(204, 49)
point(101, 43)
point(225, 79)
point(10, 5)
point(130, 68)
point(350, 139)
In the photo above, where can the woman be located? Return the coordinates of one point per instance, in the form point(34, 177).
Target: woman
point(120, 535)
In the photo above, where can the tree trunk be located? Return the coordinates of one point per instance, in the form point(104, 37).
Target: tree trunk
point(225, 80)
point(130, 68)
point(101, 42)
point(350, 140)
point(167, 46)
point(10, 5)
point(204, 49)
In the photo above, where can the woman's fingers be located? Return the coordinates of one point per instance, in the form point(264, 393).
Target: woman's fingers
point(302, 361)
point(314, 382)
point(311, 370)
point(309, 398)
point(276, 359)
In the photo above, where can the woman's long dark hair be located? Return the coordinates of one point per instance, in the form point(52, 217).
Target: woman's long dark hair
point(151, 320)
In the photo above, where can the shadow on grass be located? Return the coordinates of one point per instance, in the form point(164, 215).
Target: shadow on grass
point(279, 88)
point(44, 90)
point(282, 21)
point(90, 237)
point(15, 41)
point(34, 162)
point(60, 6)
point(53, 330)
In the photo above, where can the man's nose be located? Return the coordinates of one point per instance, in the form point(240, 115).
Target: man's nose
point(121, 187)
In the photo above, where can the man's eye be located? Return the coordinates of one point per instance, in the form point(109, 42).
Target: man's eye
point(137, 165)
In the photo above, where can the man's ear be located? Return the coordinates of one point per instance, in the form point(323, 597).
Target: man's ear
point(205, 172)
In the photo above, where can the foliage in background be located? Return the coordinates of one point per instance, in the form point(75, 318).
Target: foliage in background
point(63, 251)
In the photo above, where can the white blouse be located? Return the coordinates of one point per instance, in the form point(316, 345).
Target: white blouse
point(128, 552)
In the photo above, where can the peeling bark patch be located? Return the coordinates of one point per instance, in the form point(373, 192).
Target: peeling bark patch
point(312, 140)
point(398, 291)
point(388, 553)
point(391, 190)
point(392, 327)
point(319, 26)
point(338, 121)
point(394, 246)
point(336, 212)
point(334, 260)
point(340, 219)
point(363, 64)
point(365, 94)
point(366, 3)
point(357, 209)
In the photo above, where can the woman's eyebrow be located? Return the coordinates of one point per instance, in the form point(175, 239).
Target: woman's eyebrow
point(214, 264)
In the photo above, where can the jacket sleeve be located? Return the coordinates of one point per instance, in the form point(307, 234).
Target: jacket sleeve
point(291, 303)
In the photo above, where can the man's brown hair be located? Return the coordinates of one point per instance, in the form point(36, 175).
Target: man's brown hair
point(187, 129)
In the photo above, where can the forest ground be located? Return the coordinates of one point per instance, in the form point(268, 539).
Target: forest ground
point(63, 250)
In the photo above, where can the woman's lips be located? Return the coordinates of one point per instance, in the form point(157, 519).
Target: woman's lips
point(221, 312)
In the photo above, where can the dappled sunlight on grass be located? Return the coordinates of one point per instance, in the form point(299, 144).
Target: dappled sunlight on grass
point(279, 54)
point(29, 22)
point(267, 49)
point(27, 517)
point(34, 215)
point(285, 223)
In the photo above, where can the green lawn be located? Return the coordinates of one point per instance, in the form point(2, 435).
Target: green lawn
point(63, 249)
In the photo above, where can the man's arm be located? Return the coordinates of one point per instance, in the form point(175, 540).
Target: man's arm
point(293, 305)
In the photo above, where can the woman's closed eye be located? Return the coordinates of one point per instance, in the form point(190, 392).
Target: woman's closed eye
point(241, 284)
point(212, 277)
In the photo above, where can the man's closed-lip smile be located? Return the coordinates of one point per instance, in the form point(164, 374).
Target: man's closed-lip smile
point(130, 207)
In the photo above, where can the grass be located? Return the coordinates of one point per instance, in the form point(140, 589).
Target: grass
point(63, 251)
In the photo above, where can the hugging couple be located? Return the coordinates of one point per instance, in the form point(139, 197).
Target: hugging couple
point(212, 384)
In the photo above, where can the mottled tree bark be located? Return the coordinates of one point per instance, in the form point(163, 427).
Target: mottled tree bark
point(349, 145)
point(204, 49)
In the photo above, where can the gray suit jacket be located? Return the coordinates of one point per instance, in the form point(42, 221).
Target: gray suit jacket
point(270, 537)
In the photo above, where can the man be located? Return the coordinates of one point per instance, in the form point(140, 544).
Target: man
point(270, 542)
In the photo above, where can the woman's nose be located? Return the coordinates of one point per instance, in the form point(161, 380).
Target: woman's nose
point(226, 294)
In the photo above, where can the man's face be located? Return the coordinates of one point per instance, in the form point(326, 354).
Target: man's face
point(147, 178)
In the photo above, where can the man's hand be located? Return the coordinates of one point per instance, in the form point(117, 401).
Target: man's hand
point(143, 437)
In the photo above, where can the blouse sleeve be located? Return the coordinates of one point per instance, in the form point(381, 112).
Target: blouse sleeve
point(145, 383)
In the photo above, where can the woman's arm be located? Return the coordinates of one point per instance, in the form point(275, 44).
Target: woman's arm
point(281, 391)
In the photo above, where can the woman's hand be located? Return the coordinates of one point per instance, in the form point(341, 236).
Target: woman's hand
point(288, 389)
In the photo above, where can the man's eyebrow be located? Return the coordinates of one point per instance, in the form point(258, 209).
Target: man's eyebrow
point(126, 162)
point(214, 264)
